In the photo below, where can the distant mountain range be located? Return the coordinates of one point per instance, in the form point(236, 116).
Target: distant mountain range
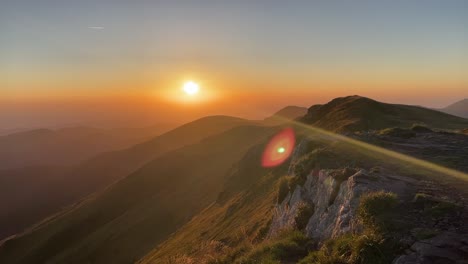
point(202, 183)
point(68, 146)
point(67, 184)
point(459, 108)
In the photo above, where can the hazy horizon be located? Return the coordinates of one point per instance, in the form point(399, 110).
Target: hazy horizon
point(140, 112)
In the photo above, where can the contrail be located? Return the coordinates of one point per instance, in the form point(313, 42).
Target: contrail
point(379, 150)
point(96, 28)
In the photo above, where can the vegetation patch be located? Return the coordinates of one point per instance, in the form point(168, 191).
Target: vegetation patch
point(377, 209)
point(442, 209)
point(304, 213)
point(434, 207)
point(397, 132)
point(418, 128)
point(289, 246)
point(354, 249)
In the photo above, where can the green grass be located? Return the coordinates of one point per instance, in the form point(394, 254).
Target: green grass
point(239, 234)
point(442, 208)
point(397, 132)
point(353, 249)
point(289, 246)
point(435, 207)
point(376, 210)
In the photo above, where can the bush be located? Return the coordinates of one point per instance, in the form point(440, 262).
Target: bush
point(442, 208)
point(376, 209)
point(434, 207)
point(304, 213)
point(353, 249)
point(289, 246)
point(420, 128)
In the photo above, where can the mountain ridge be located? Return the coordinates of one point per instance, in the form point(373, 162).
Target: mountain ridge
point(354, 113)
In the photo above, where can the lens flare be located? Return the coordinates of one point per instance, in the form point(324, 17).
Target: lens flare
point(279, 148)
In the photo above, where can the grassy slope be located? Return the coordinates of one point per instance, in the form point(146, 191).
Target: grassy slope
point(239, 218)
point(137, 213)
point(354, 113)
point(223, 228)
point(108, 167)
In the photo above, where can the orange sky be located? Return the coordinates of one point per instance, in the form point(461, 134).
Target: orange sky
point(119, 109)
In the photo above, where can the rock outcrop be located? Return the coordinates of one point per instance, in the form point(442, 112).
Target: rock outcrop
point(334, 194)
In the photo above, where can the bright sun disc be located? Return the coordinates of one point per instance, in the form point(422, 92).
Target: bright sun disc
point(191, 88)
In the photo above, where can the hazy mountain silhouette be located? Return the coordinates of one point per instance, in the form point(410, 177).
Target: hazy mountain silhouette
point(289, 112)
point(354, 113)
point(51, 188)
point(68, 146)
point(459, 108)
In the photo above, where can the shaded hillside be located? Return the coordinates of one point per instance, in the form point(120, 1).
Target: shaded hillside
point(28, 195)
point(108, 167)
point(34, 192)
point(356, 113)
point(459, 108)
point(135, 214)
point(289, 112)
point(68, 146)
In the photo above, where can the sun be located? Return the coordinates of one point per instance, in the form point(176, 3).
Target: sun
point(191, 88)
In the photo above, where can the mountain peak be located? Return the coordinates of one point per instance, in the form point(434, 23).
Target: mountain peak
point(356, 113)
point(289, 112)
point(459, 108)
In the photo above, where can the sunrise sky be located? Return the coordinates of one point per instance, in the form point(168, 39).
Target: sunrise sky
point(124, 62)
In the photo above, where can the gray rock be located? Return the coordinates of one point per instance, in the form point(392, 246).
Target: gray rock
point(446, 247)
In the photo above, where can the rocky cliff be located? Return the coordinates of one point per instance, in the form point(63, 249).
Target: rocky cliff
point(432, 217)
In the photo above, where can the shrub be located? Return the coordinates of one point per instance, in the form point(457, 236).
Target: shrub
point(353, 249)
point(304, 213)
point(442, 208)
point(376, 209)
point(433, 207)
point(420, 128)
point(289, 246)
